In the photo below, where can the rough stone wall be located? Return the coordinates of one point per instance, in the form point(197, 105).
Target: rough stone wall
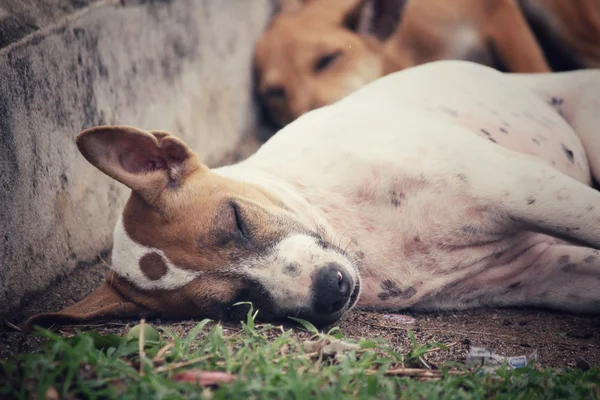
point(179, 65)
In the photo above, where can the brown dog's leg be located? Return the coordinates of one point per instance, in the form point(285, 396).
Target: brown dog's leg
point(512, 38)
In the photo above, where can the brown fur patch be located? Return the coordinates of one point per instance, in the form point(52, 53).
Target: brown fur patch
point(391, 290)
point(153, 266)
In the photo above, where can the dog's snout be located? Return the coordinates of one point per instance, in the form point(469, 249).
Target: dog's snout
point(332, 287)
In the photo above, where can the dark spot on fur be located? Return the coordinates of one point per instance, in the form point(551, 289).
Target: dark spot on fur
point(396, 198)
point(486, 133)
point(492, 140)
point(568, 153)
point(503, 130)
point(391, 290)
point(153, 266)
point(359, 255)
point(498, 254)
point(323, 243)
point(449, 111)
point(569, 267)
point(589, 259)
point(64, 181)
point(562, 260)
point(462, 177)
point(514, 286)
point(534, 140)
point(530, 200)
point(557, 101)
point(292, 269)
point(589, 208)
point(471, 230)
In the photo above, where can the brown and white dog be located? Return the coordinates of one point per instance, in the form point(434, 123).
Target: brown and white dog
point(444, 186)
point(318, 51)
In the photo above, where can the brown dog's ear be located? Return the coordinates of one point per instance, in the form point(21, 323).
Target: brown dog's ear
point(145, 162)
point(104, 302)
point(378, 18)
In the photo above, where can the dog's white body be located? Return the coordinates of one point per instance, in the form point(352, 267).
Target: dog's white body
point(406, 176)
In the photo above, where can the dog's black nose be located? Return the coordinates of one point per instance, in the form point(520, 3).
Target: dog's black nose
point(332, 287)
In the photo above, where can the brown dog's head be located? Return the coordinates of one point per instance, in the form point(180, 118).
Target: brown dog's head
point(317, 51)
point(191, 242)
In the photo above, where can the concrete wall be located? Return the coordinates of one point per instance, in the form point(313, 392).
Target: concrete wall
point(66, 65)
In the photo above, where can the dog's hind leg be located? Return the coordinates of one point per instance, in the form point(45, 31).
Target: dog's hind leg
point(526, 196)
point(576, 96)
point(559, 276)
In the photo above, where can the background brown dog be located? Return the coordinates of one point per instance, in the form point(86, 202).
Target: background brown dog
point(318, 51)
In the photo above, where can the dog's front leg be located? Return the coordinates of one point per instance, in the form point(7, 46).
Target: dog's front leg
point(513, 39)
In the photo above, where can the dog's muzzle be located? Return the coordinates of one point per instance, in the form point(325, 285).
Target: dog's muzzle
point(334, 291)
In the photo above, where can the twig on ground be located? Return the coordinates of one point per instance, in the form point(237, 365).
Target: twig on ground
point(439, 348)
point(97, 325)
point(159, 358)
point(172, 367)
point(424, 363)
point(12, 326)
point(440, 330)
point(414, 372)
point(104, 262)
point(141, 346)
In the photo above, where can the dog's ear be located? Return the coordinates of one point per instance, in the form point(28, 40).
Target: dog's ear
point(378, 18)
point(105, 302)
point(146, 162)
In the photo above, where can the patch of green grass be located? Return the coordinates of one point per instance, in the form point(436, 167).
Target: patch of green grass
point(267, 362)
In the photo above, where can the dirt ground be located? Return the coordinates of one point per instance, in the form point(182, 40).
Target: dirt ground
point(561, 340)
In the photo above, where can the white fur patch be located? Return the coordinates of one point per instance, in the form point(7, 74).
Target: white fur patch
point(464, 41)
point(307, 256)
point(126, 256)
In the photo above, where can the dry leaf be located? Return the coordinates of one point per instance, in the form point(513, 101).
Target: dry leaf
point(52, 394)
point(203, 378)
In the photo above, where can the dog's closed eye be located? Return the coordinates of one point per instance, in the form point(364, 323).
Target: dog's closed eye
point(230, 225)
point(240, 224)
point(326, 61)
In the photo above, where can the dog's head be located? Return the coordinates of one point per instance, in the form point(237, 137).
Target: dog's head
point(317, 51)
point(192, 243)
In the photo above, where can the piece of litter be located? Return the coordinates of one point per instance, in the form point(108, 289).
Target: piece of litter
point(329, 347)
point(400, 318)
point(489, 361)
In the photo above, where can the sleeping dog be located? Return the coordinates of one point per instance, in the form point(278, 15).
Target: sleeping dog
point(317, 51)
point(444, 186)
